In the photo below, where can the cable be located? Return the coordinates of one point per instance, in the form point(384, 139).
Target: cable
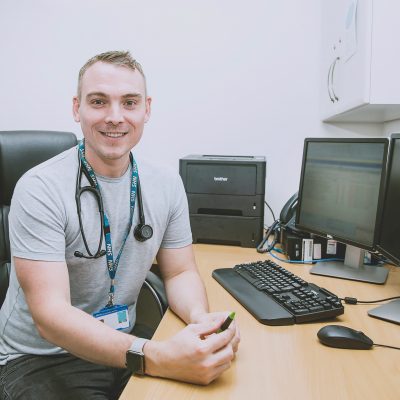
point(270, 209)
point(353, 300)
point(273, 229)
point(287, 261)
point(382, 259)
point(385, 345)
point(303, 262)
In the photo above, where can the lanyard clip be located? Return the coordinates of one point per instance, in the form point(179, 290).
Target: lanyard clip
point(110, 300)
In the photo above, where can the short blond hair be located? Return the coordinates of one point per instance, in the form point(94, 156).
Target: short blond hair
point(121, 58)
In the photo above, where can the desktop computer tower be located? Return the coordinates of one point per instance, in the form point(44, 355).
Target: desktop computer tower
point(226, 198)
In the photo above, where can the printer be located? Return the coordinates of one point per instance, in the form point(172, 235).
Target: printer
point(226, 198)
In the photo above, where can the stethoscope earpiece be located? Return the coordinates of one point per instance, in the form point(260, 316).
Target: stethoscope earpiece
point(79, 254)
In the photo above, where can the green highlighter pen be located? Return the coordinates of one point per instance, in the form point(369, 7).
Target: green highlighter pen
point(227, 322)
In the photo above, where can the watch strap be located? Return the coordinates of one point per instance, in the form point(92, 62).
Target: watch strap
point(138, 344)
point(135, 361)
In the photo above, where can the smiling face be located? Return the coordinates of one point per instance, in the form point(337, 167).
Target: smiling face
point(112, 111)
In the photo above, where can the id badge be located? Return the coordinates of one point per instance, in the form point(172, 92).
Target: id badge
point(116, 316)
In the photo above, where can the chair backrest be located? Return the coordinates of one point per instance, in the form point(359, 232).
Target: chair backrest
point(19, 152)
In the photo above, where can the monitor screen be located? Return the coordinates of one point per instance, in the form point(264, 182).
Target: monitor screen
point(389, 226)
point(340, 187)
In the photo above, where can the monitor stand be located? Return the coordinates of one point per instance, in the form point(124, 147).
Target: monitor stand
point(353, 268)
point(388, 312)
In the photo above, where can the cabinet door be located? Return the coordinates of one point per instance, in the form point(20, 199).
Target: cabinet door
point(347, 57)
point(351, 79)
point(385, 60)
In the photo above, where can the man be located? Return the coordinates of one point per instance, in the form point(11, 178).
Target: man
point(57, 340)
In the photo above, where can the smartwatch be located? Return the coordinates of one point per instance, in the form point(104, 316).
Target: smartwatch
point(135, 357)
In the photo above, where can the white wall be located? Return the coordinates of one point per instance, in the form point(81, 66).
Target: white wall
point(391, 127)
point(226, 77)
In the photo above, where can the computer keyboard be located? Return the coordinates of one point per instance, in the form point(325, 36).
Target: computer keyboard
point(275, 296)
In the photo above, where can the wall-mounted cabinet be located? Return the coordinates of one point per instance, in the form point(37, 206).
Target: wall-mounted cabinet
point(361, 60)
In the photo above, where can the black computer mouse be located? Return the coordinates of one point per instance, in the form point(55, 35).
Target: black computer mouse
point(344, 338)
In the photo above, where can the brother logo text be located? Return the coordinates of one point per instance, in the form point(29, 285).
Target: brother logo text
point(220, 179)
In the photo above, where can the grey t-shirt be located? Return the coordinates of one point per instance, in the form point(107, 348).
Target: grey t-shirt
point(44, 226)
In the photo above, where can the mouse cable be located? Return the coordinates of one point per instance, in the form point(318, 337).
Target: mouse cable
point(386, 345)
point(353, 300)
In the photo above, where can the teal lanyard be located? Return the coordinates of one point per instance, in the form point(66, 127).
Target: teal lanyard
point(112, 265)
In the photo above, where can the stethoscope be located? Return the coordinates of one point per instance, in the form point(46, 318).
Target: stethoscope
point(142, 231)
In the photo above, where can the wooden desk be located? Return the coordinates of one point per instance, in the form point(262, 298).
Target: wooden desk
point(288, 362)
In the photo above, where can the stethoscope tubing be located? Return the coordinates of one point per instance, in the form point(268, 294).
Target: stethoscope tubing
point(96, 192)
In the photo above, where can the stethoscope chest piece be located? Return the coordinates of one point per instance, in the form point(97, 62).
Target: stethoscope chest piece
point(143, 232)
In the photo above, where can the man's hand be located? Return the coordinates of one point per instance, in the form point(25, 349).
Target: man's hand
point(219, 318)
point(196, 354)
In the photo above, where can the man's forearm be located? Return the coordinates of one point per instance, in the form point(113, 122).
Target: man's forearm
point(83, 335)
point(186, 295)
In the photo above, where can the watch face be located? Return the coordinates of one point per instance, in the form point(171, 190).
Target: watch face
point(135, 362)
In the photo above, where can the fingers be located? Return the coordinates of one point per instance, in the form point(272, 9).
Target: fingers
point(223, 356)
point(205, 328)
point(217, 372)
point(236, 339)
point(218, 346)
point(210, 374)
point(215, 364)
point(220, 340)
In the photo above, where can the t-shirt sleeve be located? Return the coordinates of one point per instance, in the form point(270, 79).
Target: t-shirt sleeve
point(178, 233)
point(36, 221)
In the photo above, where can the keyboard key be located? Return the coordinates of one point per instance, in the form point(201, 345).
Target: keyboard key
point(301, 311)
point(316, 308)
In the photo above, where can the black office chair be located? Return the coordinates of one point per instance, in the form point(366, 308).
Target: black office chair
point(151, 306)
point(19, 152)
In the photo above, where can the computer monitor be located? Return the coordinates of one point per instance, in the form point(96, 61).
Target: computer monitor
point(388, 239)
point(341, 188)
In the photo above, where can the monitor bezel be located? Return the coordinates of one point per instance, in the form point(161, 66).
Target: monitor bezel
point(379, 248)
point(338, 238)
